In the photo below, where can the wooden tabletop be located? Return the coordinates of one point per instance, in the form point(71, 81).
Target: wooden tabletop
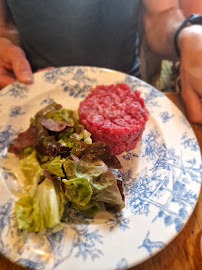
point(183, 253)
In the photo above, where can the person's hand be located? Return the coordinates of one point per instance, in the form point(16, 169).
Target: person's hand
point(190, 44)
point(13, 64)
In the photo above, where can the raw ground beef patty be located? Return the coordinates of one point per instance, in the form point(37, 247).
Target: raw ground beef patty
point(115, 115)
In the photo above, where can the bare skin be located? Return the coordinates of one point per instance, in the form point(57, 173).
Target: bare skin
point(190, 44)
point(161, 20)
point(13, 64)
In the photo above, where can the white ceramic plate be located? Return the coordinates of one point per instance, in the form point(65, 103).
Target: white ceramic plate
point(162, 179)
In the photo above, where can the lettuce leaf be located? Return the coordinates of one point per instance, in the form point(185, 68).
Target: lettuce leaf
point(57, 147)
point(78, 191)
point(85, 168)
point(24, 212)
point(91, 208)
point(101, 180)
point(43, 210)
point(32, 172)
point(51, 147)
point(105, 190)
point(95, 151)
point(69, 116)
point(54, 166)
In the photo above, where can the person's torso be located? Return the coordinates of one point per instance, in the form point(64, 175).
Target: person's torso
point(78, 32)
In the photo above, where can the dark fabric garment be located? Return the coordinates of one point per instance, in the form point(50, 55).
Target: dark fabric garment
point(102, 33)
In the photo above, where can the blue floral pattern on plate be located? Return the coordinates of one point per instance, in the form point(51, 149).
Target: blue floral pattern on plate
point(162, 179)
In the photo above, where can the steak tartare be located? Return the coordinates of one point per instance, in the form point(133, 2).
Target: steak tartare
point(115, 115)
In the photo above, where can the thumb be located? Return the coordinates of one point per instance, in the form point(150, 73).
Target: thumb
point(20, 64)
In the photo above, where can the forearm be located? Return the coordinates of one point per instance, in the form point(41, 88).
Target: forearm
point(160, 28)
point(7, 27)
point(161, 20)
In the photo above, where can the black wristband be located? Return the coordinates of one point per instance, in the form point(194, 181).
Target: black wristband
point(193, 19)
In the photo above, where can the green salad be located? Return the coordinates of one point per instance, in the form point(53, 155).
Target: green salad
point(62, 167)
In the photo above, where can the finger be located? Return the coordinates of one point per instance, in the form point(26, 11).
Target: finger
point(20, 64)
point(8, 73)
point(193, 105)
point(5, 65)
point(6, 80)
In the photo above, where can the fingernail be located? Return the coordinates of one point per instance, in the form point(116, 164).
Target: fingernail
point(26, 76)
